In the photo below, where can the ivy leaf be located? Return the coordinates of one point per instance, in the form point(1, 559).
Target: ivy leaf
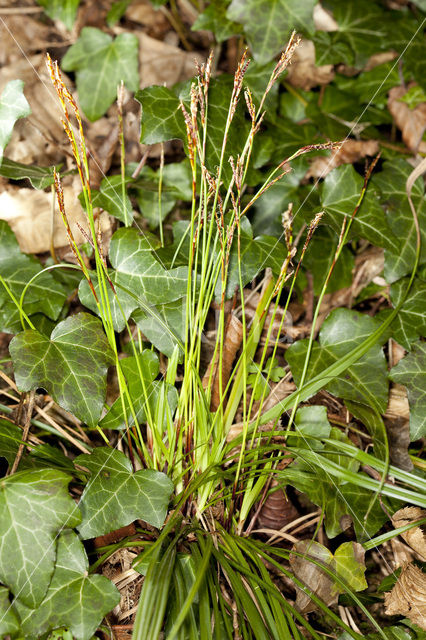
point(110, 198)
point(9, 621)
point(138, 390)
point(391, 183)
point(350, 566)
point(101, 63)
point(366, 380)
point(115, 496)
point(341, 191)
point(267, 23)
point(10, 438)
point(44, 295)
point(138, 270)
point(214, 19)
point(164, 326)
point(64, 10)
point(335, 498)
point(117, 11)
point(71, 365)
point(319, 258)
point(162, 118)
point(40, 177)
point(361, 27)
point(13, 105)
point(34, 506)
point(410, 323)
point(74, 599)
point(372, 86)
point(411, 372)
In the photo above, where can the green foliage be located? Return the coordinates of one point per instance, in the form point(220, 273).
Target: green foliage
point(271, 371)
point(13, 105)
point(35, 506)
point(411, 371)
point(366, 380)
point(340, 195)
point(40, 177)
point(267, 24)
point(214, 19)
point(115, 496)
point(71, 365)
point(110, 198)
point(44, 294)
point(74, 599)
point(101, 63)
point(410, 322)
point(162, 118)
point(64, 10)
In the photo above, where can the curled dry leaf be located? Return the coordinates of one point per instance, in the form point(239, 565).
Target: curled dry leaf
point(163, 64)
point(351, 151)
point(408, 597)
point(277, 510)
point(303, 72)
point(29, 214)
point(231, 344)
point(414, 537)
point(411, 122)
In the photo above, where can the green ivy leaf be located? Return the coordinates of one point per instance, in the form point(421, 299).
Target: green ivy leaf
point(267, 23)
point(138, 390)
point(115, 496)
point(10, 438)
point(162, 118)
point(372, 86)
point(13, 105)
point(341, 191)
point(110, 198)
point(335, 498)
point(312, 421)
point(366, 380)
point(44, 295)
point(74, 599)
point(214, 19)
point(349, 566)
point(117, 11)
point(164, 325)
point(71, 365)
point(391, 183)
point(40, 177)
point(138, 270)
point(319, 258)
point(411, 372)
point(34, 507)
point(9, 621)
point(64, 10)
point(361, 27)
point(101, 63)
point(410, 323)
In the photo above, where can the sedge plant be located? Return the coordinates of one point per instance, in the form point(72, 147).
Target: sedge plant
point(204, 578)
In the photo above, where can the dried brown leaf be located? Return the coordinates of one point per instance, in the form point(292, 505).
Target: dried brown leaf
point(414, 537)
point(351, 151)
point(408, 597)
point(312, 576)
point(277, 510)
point(411, 122)
point(231, 344)
point(163, 64)
point(303, 72)
point(29, 213)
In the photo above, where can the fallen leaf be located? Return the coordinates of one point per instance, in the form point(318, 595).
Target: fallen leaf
point(351, 151)
point(408, 597)
point(277, 510)
point(29, 214)
point(303, 72)
point(411, 122)
point(36, 139)
point(414, 537)
point(21, 33)
point(163, 64)
point(154, 22)
point(347, 563)
point(323, 20)
point(232, 342)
